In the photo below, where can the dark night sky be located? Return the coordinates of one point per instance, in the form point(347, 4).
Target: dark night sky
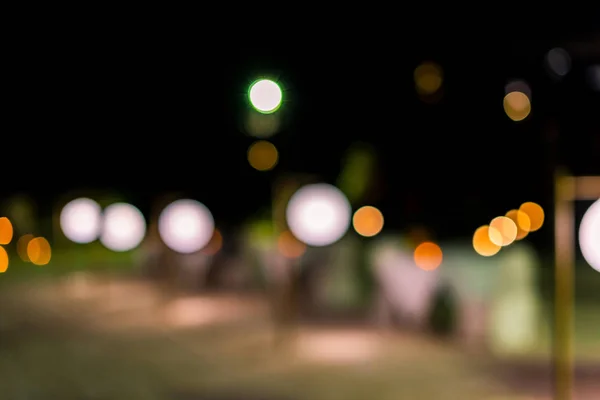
point(144, 119)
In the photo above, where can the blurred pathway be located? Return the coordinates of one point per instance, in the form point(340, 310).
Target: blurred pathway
point(87, 338)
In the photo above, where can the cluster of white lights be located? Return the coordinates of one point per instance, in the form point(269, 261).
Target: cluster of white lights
point(120, 227)
point(185, 226)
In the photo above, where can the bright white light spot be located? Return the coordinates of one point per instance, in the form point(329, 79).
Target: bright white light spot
point(318, 214)
point(123, 228)
point(589, 236)
point(265, 96)
point(80, 220)
point(186, 226)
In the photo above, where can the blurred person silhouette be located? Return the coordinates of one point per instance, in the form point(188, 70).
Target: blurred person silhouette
point(406, 292)
point(443, 311)
point(150, 257)
point(284, 293)
point(338, 287)
point(311, 267)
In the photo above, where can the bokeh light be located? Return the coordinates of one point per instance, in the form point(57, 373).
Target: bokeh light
point(482, 243)
point(289, 246)
point(428, 256)
point(558, 62)
point(367, 221)
point(507, 229)
point(318, 214)
point(123, 227)
point(186, 226)
point(22, 246)
point(214, 244)
point(3, 260)
point(39, 251)
point(81, 220)
point(428, 78)
point(522, 222)
point(263, 155)
point(265, 96)
point(536, 215)
point(6, 231)
point(517, 106)
point(589, 236)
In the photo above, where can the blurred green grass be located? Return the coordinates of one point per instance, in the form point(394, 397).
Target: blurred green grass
point(91, 257)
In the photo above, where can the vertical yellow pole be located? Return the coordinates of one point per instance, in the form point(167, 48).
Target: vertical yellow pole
point(564, 231)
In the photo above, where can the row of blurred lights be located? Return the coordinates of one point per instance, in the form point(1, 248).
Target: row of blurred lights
point(503, 231)
point(317, 215)
point(320, 215)
point(185, 226)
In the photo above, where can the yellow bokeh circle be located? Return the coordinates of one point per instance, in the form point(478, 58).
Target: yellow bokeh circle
point(39, 251)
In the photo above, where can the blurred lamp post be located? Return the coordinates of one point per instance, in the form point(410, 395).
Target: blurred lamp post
point(569, 189)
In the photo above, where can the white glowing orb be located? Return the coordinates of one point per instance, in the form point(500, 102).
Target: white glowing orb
point(81, 220)
point(589, 236)
point(186, 226)
point(265, 96)
point(123, 227)
point(319, 214)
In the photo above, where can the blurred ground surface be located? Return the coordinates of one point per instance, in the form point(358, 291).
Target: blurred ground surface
point(90, 338)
